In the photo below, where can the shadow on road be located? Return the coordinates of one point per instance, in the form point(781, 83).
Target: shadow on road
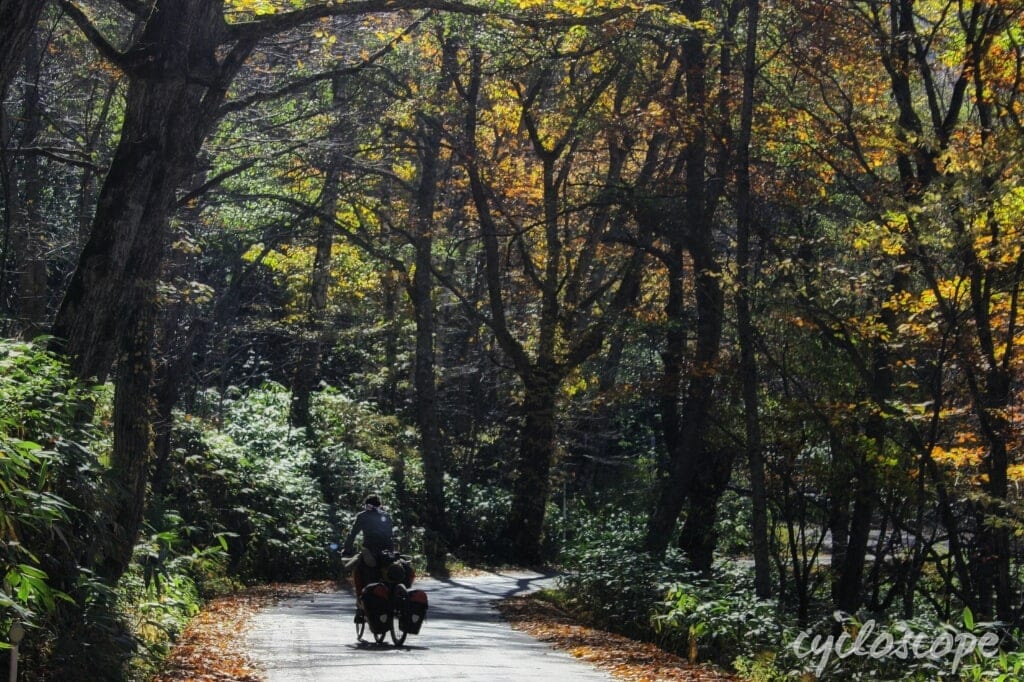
point(376, 649)
point(501, 591)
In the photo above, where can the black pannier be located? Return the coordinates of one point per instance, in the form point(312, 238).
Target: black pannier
point(414, 612)
point(375, 601)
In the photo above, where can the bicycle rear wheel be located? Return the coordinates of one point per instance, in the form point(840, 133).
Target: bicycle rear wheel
point(398, 633)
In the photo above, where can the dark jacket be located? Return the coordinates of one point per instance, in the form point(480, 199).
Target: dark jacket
point(377, 529)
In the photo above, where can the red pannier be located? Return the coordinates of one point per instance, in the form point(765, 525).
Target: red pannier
point(415, 611)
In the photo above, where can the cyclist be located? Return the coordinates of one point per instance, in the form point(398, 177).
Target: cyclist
point(378, 536)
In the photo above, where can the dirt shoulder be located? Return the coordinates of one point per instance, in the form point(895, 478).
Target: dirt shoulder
point(211, 649)
point(624, 658)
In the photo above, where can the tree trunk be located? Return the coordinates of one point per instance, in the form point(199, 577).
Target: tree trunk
point(18, 19)
point(671, 493)
point(392, 331)
point(431, 447)
point(566, 331)
point(991, 400)
point(685, 434)
point(698, 537)
point(128, 475)
point(848, 589)
point(25, 291)
point(536, 455)
point(307, 370)
point(744, 324)
point(176, 87)
point(171, 105)
point(689, 451)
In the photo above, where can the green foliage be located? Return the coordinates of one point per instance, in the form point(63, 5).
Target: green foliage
point(38, 398)
point(358, 451)
point(253, 478)
point(277, 500)
point(923, 648)
point(40, 458)
point(734, 523)
point(1006, 667)
point(50, 496)
point(478, 514)
point(609, 579)
point(156, 613)
point(721, 616)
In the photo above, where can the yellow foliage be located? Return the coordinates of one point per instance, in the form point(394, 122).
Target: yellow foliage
point(1015, 472)
point(958, 455)
point(352, 277)
point(254, 7)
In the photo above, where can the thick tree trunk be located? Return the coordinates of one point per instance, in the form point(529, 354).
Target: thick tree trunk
point(687, 447)
point(25, 283)
point(671, 492)
point(422, 293)
point(133, 435)
point(992, 564)
point(18, 20)
point(565, 331)
point(698, 537)
point(536, 455)
point(304, 380)
point(685, 434)
point(176, 87)
point(847, 591)
point(162, 132)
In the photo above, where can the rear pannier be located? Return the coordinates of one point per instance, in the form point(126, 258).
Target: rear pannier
point(375, 600)
point(415, 611)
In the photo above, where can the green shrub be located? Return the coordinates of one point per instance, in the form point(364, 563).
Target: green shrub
point(734, 523)
point(285, 497)
point(51, 474)
point(47, 473)
point(610, 579)
point(254, 476)
point(721, 616)
point(478, 515)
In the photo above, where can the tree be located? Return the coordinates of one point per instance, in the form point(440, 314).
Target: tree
point(179, 68)
point(18, 20)
point(899, 162)
point(555, 294)
point(746, 336)
point(690, 473)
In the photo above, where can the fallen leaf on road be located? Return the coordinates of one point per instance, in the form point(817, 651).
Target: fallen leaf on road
point(624, 658)
point(211, 647)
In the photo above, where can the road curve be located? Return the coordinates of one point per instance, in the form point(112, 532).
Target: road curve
point(312, 639)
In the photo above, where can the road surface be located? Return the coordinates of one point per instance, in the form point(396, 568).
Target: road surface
point(312, 639)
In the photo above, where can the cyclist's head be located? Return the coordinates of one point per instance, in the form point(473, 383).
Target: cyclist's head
point(372, 500)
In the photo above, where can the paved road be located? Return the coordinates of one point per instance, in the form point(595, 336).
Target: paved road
point(463, 638)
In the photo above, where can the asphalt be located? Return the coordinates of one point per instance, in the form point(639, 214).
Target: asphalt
point(463, 638)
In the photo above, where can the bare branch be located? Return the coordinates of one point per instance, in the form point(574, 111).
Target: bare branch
point(288, 20)
point(302, 83)
point(278, 23)
point(68, 156)
point(101, 44)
